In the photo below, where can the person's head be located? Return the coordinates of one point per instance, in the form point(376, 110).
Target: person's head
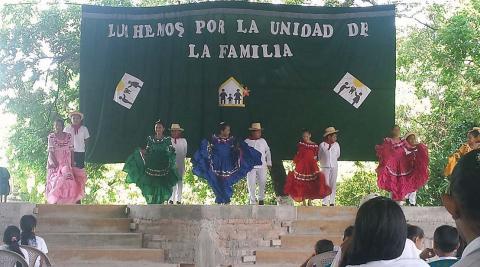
point(223, 129)
point(11, 237)
point(416, 234)
point(411, 138)
point(58, 125)
point(28, 223)
point(473, 137)
point(348, 233)
point(76, 119)
point(463, 199)
point(446, 241)
point(176, 133)
point(306, 135)
point(395, 131)
point(380, 232)
point(159, 128)
point(323, 246)
point(256, 134)
point(331, 138)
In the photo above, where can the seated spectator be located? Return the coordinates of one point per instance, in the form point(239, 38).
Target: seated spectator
point(11, 239)
point(445, 244)
point(379, 237)
point(28, 223)
point(417, 235)
point(4, 184)
point(321, 246)
point(463, 203)
point(347, 234)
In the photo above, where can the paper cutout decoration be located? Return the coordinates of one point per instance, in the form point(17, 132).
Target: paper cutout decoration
point(127, 90)
point(352, 90)
point(232, 94)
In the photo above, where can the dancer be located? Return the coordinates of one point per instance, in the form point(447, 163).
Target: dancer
point(471, 144)
point(180, 146)
point(306, 181)
point(80, 136)
point(223, 161)
point(4, 184)
point(65, 183)
point(328, 154)
point(153, 168)
point(403, 167)
point(259, 172)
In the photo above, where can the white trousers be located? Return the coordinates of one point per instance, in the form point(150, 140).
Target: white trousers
point(412, 198)
point(256, 175)
point(178, 188)
point(331, 180)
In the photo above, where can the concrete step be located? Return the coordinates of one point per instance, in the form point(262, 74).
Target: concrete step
point(326, 213)
point(307, 242)
point(82, 211)
point(93, 240)
point(320, 226)
point(108, 257)
point(80, 225)
point(282, 256)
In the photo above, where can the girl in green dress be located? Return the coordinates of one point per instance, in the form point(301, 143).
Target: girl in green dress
point(153, 169)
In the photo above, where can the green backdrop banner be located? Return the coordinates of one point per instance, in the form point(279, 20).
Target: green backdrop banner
point(288, 67)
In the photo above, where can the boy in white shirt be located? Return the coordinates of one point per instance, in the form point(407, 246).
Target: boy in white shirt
point(446, 241)
point(180, 145)
point(328, 154)
point(258, 172)
point(80, 136)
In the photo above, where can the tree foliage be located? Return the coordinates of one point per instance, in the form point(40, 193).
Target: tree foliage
point(441, 61)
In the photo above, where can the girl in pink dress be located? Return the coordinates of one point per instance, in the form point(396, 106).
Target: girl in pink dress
point(403, 165)
point(65, 183)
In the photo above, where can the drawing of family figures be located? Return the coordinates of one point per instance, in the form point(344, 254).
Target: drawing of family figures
point(352, 91)
point(225, 98)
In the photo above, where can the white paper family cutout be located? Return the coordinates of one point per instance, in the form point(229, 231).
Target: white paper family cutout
point(352, 90)
point(127, 90)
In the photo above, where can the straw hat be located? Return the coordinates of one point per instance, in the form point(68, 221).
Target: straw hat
point(476, 129)
point(329, 131)
point(256, 126)
point(76, 113)
point(408, 135)
point(176, 127)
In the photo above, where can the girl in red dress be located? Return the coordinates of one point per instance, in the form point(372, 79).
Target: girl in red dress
point(306, 181)
point(403, 167)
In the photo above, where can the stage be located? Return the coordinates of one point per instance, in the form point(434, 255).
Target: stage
point(202, 236)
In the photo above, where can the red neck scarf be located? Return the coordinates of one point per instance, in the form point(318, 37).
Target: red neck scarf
point(76, 128)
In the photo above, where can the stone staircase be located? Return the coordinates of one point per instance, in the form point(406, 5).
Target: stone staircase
point(94, 235)
point(311, 225)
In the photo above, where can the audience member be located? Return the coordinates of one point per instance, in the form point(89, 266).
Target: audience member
point(28, 223)
point(321, 246)
point(11, 238)
point(347, 235)
point(463, 203)
point(445, 244)
point(379, 237)
point(417, 235)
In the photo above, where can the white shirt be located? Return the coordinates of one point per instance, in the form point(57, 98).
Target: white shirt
point(78, 139)
point(398, 262)
point(410, 251)
point(436, 258)
point(328, 157)
point(471, 255)
point(180, 151)
point(261, 146)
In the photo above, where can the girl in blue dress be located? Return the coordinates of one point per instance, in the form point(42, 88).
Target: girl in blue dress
point(223, 161)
